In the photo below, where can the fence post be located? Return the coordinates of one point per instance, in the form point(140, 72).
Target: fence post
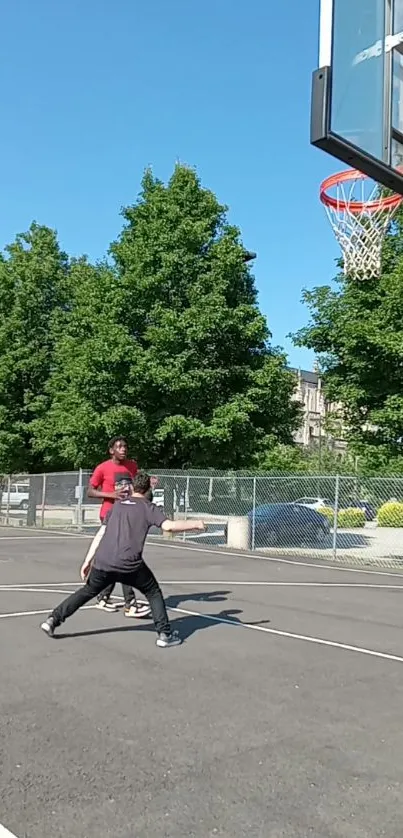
point(335, 516)
point(8, 499)
point(253, 513)
point(43, 504)
point(185, 513)
point(80, 500)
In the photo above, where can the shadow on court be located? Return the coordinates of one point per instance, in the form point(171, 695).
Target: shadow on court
point(173, 600)
point(187, 625)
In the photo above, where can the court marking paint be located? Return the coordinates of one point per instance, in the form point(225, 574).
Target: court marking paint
point(35, 614)
point(5, 833)
point(40, 537)
point(258, 557)
point(318, 641)
point(35, 586)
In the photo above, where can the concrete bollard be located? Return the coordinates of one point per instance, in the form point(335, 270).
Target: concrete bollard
point(238, 533)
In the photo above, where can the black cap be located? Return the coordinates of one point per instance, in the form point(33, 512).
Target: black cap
point(123, 480)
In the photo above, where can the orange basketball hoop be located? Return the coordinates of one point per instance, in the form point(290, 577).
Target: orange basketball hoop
point(360, 218)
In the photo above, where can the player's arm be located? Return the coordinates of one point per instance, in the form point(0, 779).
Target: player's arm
point(86, 566)
point(157, 518)
point(95, 487)
point(183, 525)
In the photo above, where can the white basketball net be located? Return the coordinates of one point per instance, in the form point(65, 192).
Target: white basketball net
point(360, 232)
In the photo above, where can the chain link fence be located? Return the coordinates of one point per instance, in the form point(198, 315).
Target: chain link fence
point(351, 520)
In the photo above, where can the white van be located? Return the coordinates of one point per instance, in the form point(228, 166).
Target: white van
point(19, 496)
point(158, 497)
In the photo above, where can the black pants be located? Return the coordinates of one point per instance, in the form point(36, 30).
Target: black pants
point(128, 594)
point(142, 578)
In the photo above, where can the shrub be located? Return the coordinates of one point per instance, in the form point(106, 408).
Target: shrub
point(351, 517)
point(391, 514)
point(328, 513)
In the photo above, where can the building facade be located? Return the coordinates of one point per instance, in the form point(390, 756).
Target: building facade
point(317, 412)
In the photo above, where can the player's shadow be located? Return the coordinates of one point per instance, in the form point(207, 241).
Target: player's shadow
point(186, 624)
point(173, 600)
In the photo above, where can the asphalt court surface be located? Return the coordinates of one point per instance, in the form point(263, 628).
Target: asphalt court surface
point(278, 717)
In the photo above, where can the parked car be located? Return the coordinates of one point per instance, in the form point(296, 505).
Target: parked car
point(158, 497)
point(314, 503)
point(287, 522)
point(19, 496)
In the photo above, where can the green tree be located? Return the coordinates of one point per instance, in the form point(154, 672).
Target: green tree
point(32, 293)
point(88, 397)
point(287, 459)
point(168, 346)
point(356, 328)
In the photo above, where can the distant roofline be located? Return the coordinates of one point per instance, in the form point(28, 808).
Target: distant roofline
point(307, 375)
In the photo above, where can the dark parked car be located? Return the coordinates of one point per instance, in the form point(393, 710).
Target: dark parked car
point(287, 522)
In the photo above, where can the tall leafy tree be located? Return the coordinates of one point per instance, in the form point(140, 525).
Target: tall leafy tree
point(168, 345)
point(87, 397)
point(32, 295)
point(357, 330)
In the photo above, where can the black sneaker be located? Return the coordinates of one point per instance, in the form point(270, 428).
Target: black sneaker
point(166, 640)
point(49, 626)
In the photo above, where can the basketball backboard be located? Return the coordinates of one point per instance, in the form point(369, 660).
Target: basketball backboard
point(357, 91)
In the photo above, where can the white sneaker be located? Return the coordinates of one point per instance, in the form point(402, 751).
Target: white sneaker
point(106, 605)
point(138, 611)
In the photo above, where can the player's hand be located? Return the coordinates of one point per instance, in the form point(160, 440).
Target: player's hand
point(121, 494)
point(85, 569)
point(200, 526)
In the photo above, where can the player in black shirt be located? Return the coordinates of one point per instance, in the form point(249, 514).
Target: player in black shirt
point(119, 557)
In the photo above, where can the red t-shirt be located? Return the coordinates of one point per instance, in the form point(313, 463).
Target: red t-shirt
point(104, 478)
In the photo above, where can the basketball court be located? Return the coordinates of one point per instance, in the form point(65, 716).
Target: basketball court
point(280, 715)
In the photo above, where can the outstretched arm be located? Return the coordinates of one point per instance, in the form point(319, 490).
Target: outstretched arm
point(183, 526)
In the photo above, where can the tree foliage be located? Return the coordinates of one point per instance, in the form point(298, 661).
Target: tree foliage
point(32, 296)
point(356, 329)
point(166, 344)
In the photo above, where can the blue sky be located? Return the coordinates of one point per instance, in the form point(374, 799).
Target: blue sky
point(94, 91)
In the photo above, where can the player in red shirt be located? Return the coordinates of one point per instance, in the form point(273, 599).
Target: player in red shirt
point(102, 486)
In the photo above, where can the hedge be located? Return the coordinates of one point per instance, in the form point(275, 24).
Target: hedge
point(328, 513)
point(351, 517)
point(391, 514)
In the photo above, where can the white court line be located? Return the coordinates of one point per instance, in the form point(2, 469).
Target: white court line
point(5, 833)
point(16, 589)
point(259, 557)
point(306, 638)
point(318, 641)
point(41, 538)
point(36, 613)
point(34, 586)
point(190, 582)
